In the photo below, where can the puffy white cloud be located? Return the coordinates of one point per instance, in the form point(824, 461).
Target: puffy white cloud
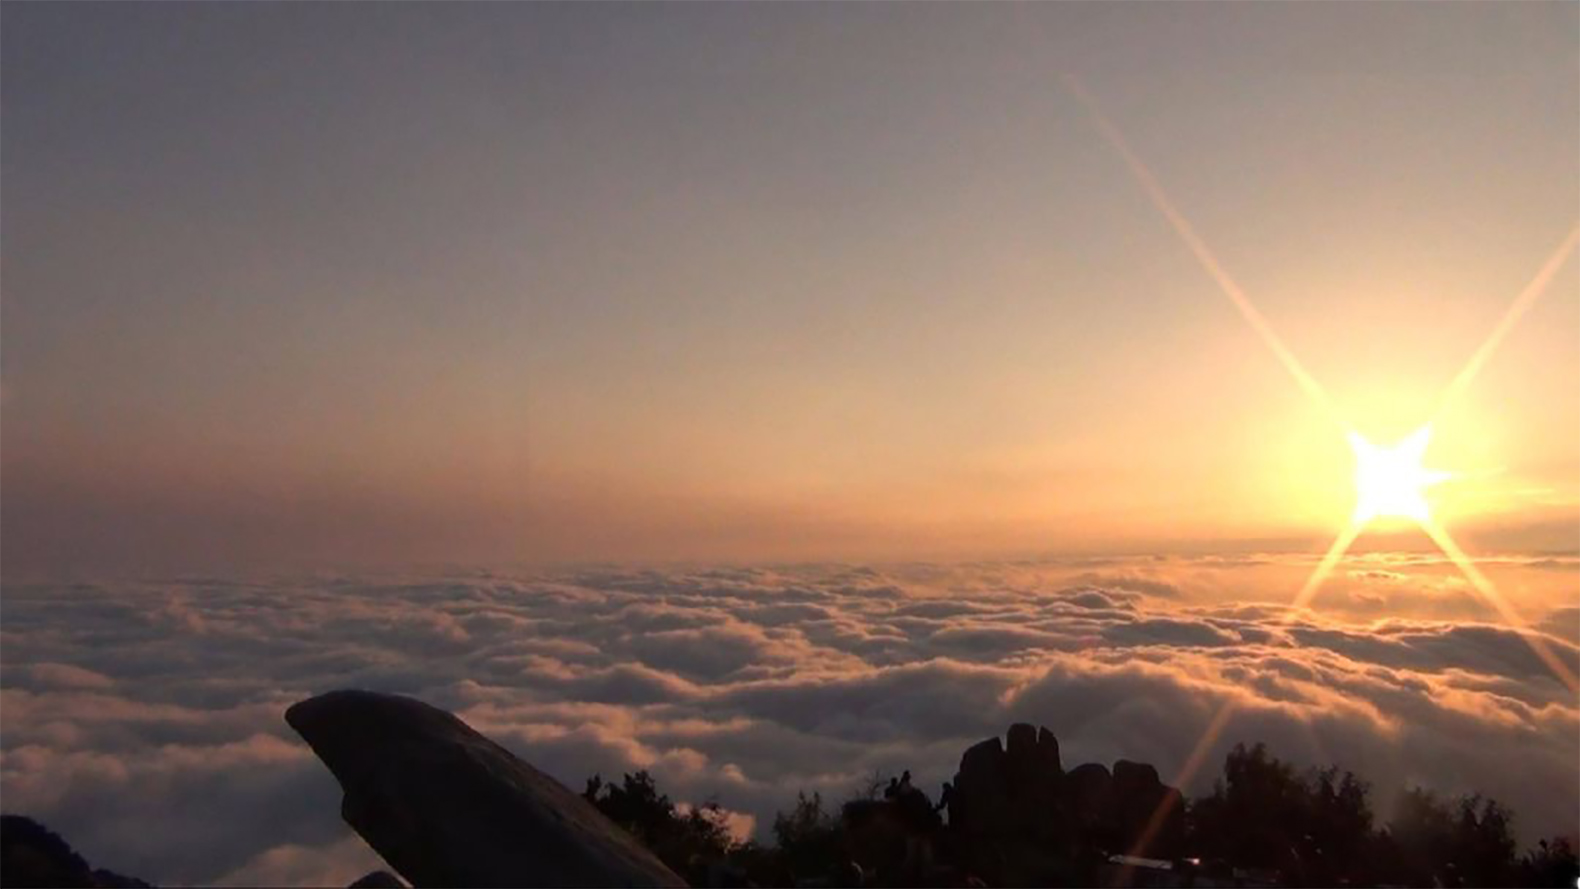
point(143, 721)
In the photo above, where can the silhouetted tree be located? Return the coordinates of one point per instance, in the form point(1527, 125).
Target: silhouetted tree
point(1338, 843)
point(1418, 839)
point(1466, 842)
point(1552, 863)
point(808, 838)
point(687, 841)
point(1310, 827)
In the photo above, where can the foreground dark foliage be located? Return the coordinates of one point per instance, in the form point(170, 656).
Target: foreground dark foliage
point(1011, 816)
point(1317, 828)
point(690, 841)
point(1266, 823)
point(33, 855)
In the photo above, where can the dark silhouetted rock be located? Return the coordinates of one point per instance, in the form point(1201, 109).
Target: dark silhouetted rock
point(980, 789)
point(983, 757)
point(1139, 797)
point(1088, 785)
point(446, 806)
point(379, 879)
point(1048, 751)
point(33, 855)
point(1013, 789)
point(1089, 800)
point(1021, 743)
point(1036, 779)
point(1131, 777)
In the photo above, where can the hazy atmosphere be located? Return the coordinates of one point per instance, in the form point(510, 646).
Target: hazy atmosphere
point(297, 285)
point(768, 395)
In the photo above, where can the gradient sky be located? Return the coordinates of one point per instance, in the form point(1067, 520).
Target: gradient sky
point(296, 285)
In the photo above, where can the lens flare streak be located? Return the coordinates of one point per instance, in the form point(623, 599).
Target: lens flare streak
point(1517, 310)
point(1204, 255)
point(1490, 593)
point(1390, 481)
point(1215, 727)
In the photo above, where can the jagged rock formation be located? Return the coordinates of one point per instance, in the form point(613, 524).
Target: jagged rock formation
point(446, 806)
point(1012, 789)
point(33, 855)
point(1017, 810)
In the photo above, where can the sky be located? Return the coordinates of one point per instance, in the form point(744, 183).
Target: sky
point(300, 285)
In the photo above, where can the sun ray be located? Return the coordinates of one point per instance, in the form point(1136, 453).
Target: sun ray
point(1517, 309)
point(1389, 481)
point(1209, 262)
point(1308, 590)
point(1506, 611)
point(1160, 814)
point(1209, 736)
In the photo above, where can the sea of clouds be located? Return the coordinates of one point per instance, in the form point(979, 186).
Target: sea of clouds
point(143, 720)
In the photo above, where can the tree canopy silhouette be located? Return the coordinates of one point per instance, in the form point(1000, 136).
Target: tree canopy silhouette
point(1266, 821)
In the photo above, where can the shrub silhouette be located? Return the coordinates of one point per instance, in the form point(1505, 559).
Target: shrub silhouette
point(685, 840)
point(1315, 827)
point(1265, 820)
point(808, 838)
point(1464, 842)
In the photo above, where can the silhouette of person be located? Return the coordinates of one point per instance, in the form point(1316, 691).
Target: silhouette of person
point(905, 781)
point(945, 797)
point(893, 789)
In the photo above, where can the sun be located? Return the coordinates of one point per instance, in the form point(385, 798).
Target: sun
point(1391, 482)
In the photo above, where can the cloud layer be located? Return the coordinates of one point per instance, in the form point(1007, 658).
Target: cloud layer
point(143, 721)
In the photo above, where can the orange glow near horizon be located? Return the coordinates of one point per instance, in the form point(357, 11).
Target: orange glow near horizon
point(1390, 481)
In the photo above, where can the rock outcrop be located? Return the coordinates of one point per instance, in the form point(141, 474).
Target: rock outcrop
point(446, 806)
point(1014, 797)
point(1138, 797)
point(980, 788)
point(1009, 789)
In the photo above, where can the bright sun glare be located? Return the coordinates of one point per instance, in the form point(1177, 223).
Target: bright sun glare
point(1391, 482)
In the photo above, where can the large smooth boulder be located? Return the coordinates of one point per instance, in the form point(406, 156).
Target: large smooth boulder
point(446, 806)
point(1135, 777)
point(1089, 786)
point(1089, 799)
